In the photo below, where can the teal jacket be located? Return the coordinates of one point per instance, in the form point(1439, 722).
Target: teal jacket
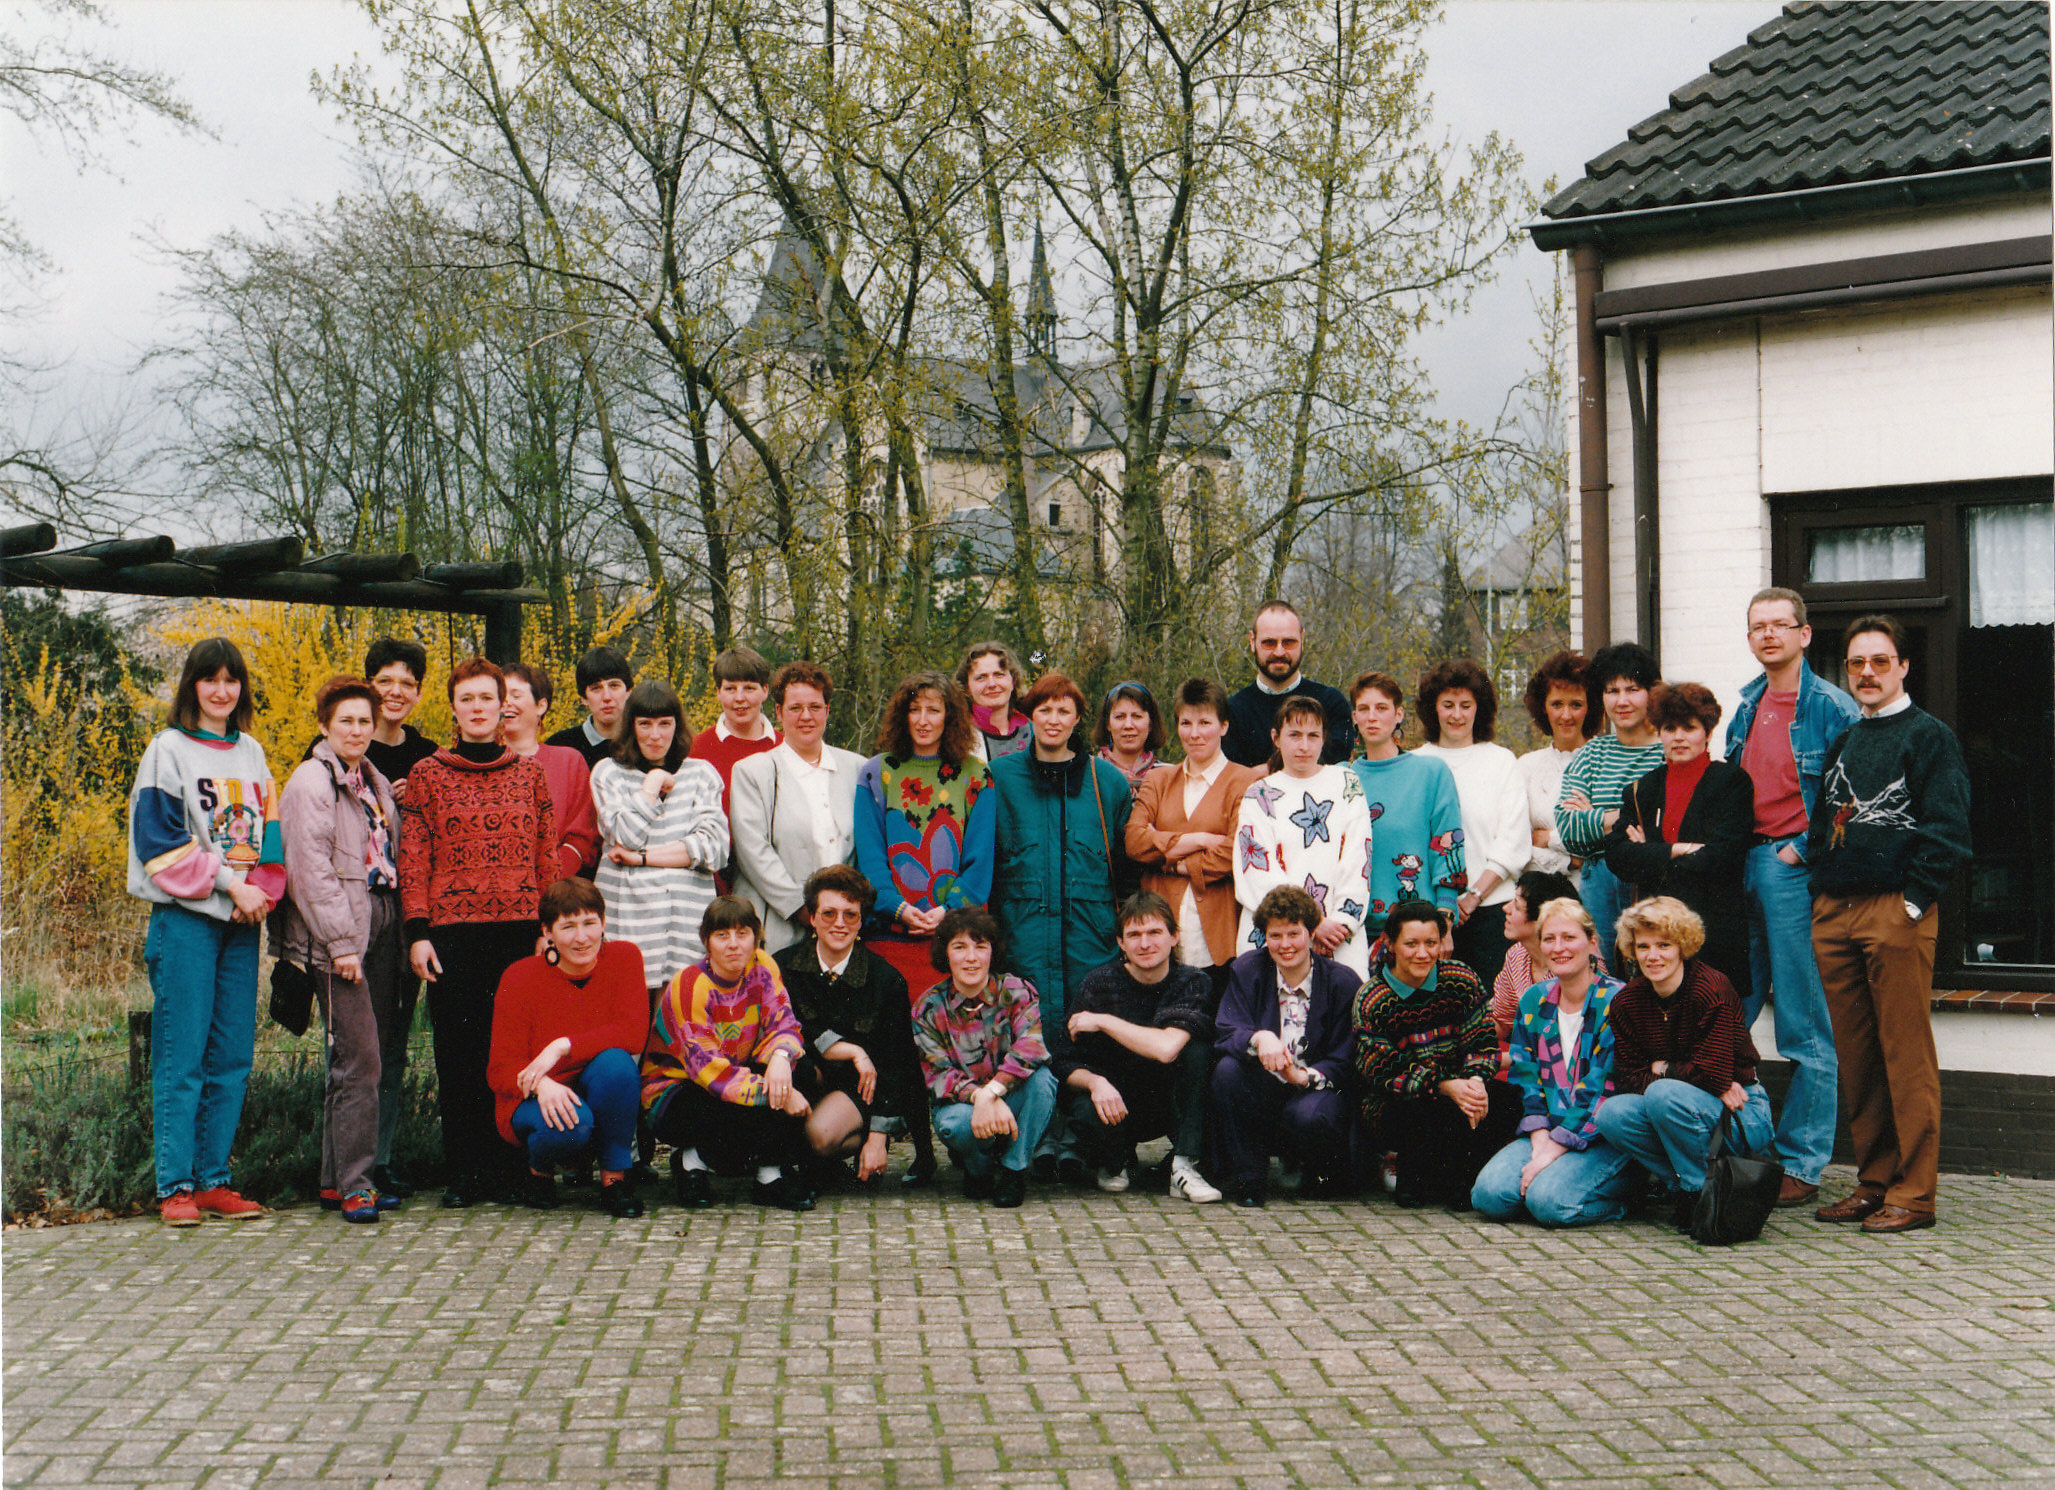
point(1058, 868)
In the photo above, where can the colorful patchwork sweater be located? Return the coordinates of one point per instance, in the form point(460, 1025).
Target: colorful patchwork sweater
point(1313, 834)
point(1410, 1040)
point(965, 1042)
point(203, 814)
point(925, 832)
point(718, 1035)
point(1562, 1090)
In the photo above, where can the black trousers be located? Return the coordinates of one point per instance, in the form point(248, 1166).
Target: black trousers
point(1481, 943)
point(1439, 1152)
point(731, 1137)
point(1255, 1115)
point(474, 956)
point(1164, 1100)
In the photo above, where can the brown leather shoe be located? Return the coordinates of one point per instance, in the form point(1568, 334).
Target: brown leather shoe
point(1889, 1219)
point(1857, 1207)
point(1795, 1191)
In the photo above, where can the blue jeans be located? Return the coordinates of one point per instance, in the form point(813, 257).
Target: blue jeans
point(610, 1092)
point(1781, 961)
point(1605, 896)
point(1580, 1188)
point(1031, 1102)
point(203, 1032)
point(1666, 1130)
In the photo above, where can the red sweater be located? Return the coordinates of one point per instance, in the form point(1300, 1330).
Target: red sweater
point(722, 755)
point(1698, 1030)
point(536, 1004)
point(570, 796)
point(478, 841)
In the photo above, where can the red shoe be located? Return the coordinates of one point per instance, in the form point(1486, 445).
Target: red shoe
point(225, 1203)
point(178, 1209)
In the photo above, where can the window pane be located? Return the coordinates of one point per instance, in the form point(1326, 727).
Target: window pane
point(1840, 556)
point(2011, 564)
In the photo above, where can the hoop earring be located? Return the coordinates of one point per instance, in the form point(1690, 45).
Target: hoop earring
point(551, 955)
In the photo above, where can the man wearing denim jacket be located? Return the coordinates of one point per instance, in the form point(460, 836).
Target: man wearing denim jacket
point(1802, 715)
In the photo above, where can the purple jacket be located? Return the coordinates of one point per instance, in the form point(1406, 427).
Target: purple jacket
point(1249, 1004)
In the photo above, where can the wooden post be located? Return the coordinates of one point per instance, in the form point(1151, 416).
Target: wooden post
point(503, 633)
point(138, 1047)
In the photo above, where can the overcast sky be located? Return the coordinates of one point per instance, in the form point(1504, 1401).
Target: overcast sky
point(1563, 79)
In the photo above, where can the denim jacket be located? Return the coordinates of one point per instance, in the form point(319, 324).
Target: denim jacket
point(1822, 716)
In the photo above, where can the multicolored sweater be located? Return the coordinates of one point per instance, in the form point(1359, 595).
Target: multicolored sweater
point(1418, 819)
point(1410, 1040)
point(478, 841)
point(925, 832)
point(1313, 834)
point(1602, 769)
point(1562, 1090)
point(965, 1042)
point(203, 814)
point(717, 1035)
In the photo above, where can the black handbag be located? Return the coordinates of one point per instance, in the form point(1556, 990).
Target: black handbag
point(292, 996)
point(1739, 1192)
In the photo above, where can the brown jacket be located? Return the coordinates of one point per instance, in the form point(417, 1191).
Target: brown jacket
point(327, 910)
point(1159, 816)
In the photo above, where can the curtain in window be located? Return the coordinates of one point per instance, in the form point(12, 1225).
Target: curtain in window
point(2011, 564)
point(1867, 555)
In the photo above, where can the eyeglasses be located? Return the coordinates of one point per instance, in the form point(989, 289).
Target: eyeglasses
point(824, 914)
point(1877, 665)
point(1772, 628)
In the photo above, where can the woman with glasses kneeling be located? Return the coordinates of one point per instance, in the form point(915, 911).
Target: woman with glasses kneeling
point(1559, 1171)
point(981, 1047)
point(717, 1077)
point(567, 1028)
point(1682, 1058)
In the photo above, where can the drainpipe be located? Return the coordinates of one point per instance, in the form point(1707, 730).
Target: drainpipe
point(1641, 409)
point(1593, 484)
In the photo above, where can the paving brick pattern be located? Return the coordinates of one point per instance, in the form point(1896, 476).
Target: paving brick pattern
point(1083, 1341)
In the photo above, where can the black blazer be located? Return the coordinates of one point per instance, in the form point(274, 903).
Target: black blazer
point(1720, 815)
point(1249, 1004)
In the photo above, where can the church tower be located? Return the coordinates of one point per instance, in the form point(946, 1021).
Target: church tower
point(1041, 305)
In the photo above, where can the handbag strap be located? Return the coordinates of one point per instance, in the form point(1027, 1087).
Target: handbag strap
point(1717, 1144)
point(1105, 838)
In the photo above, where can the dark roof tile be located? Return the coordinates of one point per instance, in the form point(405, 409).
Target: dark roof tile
point(1836, 91)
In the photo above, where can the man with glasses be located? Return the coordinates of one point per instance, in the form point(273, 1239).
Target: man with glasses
point(1277, 642)
point(1788, 719)
point(1888, 831)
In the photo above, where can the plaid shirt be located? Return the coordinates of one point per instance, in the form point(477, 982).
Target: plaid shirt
point(965, 1042)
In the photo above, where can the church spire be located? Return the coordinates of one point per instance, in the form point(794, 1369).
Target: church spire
point(1041, 304)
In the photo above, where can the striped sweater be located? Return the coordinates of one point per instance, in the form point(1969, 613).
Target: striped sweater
point(716, 1035)
point(1602, 769)
point(658, 908)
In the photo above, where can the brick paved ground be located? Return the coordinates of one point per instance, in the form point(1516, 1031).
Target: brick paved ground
point(1083, 1341)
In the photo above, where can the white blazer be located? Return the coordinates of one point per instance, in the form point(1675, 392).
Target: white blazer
point(770, 821)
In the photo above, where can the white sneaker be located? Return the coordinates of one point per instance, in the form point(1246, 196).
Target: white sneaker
point(1113, 1181)
point(1186, 1183)
point(1290, 1179)
point(1388, 1171)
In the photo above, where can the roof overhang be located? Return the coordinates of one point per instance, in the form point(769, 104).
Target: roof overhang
point(1813, 204)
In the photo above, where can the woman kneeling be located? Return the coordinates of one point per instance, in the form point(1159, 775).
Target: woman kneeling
point(1559, 1171)
point(566, 1028)
point(717, 1078)
point(1682, 1057)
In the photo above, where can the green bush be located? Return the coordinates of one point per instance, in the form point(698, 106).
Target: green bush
point(75, 1135)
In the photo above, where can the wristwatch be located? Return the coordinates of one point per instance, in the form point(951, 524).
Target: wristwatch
point(1913, 912)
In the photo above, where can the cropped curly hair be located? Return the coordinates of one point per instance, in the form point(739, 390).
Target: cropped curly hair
point(1674, 704)
point(1662, 916)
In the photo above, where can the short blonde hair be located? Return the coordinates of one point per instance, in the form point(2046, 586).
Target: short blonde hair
point(1662, 916)
point(1563, 908)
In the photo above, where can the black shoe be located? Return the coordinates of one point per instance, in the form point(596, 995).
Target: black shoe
point(385, 1182)
point(1070, 1170)
point(1010, 1189)
point(540, 1193)
point(617, 1199)
point(919, 1175)
point(461, 1192)
point(978, 1186)
point(1410, 1198)
point(641, 1174)
point(1686, 1208)
point(1045, 1169)
point(1249, 1197)
point(695, 1187)
point(786, 1192)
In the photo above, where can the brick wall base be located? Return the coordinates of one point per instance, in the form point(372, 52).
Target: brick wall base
point(1991, 1122)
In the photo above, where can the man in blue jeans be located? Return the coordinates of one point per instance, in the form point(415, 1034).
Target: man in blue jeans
point(1780, 735)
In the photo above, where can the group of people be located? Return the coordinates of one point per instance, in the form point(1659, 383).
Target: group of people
point(1523, 984)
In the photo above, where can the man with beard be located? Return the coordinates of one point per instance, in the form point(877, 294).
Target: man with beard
point(1277, 642)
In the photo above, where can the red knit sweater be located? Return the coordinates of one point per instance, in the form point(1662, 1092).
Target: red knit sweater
point(478, 841)
point(1698, 1030)
point(722, 755)
point(536, 1004)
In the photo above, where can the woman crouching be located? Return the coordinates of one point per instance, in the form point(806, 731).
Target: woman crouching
point(717, 1077)
point(567, 1031)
